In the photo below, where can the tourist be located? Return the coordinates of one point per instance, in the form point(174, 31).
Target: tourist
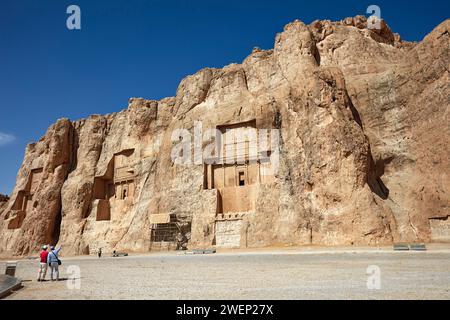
point(43, 264)
point(54, 262)
point(100, 252)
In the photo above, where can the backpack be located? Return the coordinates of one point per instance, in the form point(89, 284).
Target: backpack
point(59, 261)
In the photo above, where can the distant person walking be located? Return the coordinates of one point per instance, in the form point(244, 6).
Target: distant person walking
point(43, 264)
point(54, 262)
point(100, 252)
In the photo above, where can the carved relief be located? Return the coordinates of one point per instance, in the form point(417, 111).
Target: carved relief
point(117, 184)
point(440, 229)
point(243, 162)
point(24, 199)
point(238, 168)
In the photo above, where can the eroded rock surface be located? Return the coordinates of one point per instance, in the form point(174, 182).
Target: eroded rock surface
point(363, 124)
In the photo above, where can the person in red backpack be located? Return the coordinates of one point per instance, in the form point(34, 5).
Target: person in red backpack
point(43, 264)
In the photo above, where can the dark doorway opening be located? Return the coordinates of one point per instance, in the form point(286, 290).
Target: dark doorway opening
point(241, 179)
point(56, 229)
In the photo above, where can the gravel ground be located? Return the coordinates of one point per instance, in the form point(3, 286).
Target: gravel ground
point(291, 274)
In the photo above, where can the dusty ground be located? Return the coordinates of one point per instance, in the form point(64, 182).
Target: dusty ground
point(280, 274)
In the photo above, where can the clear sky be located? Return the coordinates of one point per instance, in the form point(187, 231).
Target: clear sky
point(142, 48)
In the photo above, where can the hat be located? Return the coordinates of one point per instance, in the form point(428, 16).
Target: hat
point(44, 247)
point(52, 248)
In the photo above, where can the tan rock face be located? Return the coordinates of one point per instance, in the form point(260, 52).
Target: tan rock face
point(32, 216)
point(361, 156)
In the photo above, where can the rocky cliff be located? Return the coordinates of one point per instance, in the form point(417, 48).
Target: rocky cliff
point(362, 119)
point(3, 201)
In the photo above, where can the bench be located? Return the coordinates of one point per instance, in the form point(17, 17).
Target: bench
point(408, 247)
point(418, 247)
point(401, 247)
point(204, 251)
point(119, 254)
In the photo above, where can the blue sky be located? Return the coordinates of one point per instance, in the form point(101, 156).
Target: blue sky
point(142, 48)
